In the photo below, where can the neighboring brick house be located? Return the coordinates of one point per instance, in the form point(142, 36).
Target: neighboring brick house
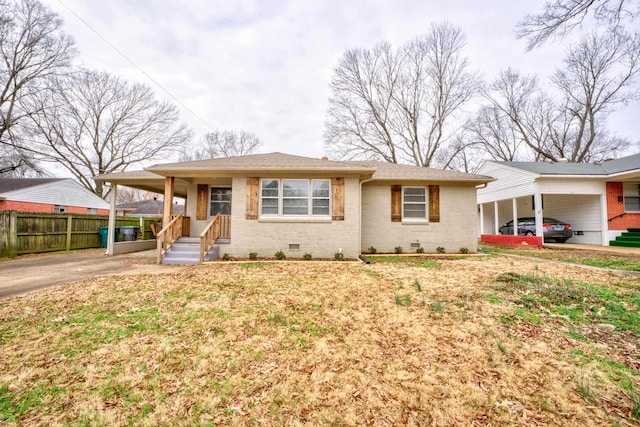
point(145, 208)
point(298, 205)
point(49, 195)
point(600, 200)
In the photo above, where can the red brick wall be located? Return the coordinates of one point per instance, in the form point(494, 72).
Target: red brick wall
point(615, 208)
point(12, 205)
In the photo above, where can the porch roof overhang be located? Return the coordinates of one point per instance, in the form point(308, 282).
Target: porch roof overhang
point(144, 180)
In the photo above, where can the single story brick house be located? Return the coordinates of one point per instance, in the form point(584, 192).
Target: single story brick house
point(600, 200)
point(265, 203)
point(49, 195)
point(145, 208)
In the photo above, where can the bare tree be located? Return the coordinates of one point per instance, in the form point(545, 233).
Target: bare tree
point(560, 17)
point(514, 122)
point(93, 123)
point(598, 76)
point(32, 48)
point(131, 195)
point(227, 143)
point(403, 105)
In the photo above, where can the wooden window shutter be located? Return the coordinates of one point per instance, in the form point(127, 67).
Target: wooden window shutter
point(252, 197)
point(201, 200)
point(434, 203)
point(396, 203)
point(337, 199)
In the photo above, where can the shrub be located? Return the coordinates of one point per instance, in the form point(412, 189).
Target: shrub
point(226, 257)
point(306, 256)
point(339, 256)
point(440, 250)
point(420, 250)
point(464, 250)
point(372, 250)
point(253, 255)
point(280, 255)
point(398, 249)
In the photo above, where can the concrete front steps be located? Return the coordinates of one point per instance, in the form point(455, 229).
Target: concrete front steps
point(186, 250)
point(629, 239)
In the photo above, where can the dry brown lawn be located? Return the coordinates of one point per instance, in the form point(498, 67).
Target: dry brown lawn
point(439, 342)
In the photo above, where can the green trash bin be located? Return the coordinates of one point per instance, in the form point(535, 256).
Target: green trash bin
point(104, 235)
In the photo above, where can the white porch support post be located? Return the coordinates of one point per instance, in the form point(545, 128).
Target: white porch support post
point(514, 207)
point(537, 200)
point(168, 200)
point(604, 219)
point(481, 219)
point(496, 223)
point(112, 219)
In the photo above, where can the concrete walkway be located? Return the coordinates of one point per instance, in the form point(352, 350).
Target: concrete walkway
point(611, 249)
point(31, 273)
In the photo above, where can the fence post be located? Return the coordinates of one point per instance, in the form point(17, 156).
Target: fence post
point(69, 228)
point(12, 246)
point(4, 233)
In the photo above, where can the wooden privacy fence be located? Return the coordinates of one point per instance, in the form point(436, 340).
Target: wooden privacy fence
point(25, 232)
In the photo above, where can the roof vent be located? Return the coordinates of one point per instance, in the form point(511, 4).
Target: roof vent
point(562, 160)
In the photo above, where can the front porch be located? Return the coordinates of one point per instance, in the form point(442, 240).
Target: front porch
point(190, 238)
point(173, 247)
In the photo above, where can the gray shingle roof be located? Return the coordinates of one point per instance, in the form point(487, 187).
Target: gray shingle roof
point(392, 171)
point(600, 168)
point(261, 162)
point(13, 184)
point(286, 162)
point(279, 162)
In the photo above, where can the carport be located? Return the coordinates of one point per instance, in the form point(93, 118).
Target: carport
point(575, 193)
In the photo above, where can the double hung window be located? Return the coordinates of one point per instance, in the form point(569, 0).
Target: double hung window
point(295, 197)
point(414, 203)
point(220, 201)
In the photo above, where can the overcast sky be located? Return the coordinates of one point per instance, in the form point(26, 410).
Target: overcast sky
point(264, 66)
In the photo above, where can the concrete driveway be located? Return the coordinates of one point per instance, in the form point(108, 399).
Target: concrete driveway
point(31, 273)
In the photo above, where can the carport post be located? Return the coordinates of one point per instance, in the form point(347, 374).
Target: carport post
point(496, 223)
point(604, 220)
point(481, 219)
point(514, 205)
point(537, 200)
point(112, 219)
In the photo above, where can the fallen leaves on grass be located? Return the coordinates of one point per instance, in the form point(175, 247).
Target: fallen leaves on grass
point(293, 344)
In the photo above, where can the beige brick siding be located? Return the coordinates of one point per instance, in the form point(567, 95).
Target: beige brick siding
point(457, 227)
point(265, 237)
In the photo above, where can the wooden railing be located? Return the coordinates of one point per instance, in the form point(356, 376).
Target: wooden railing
point(168, 235)
point(225, 227)
point(218, 228)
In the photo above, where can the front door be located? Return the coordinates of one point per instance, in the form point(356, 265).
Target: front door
point(220, 201)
